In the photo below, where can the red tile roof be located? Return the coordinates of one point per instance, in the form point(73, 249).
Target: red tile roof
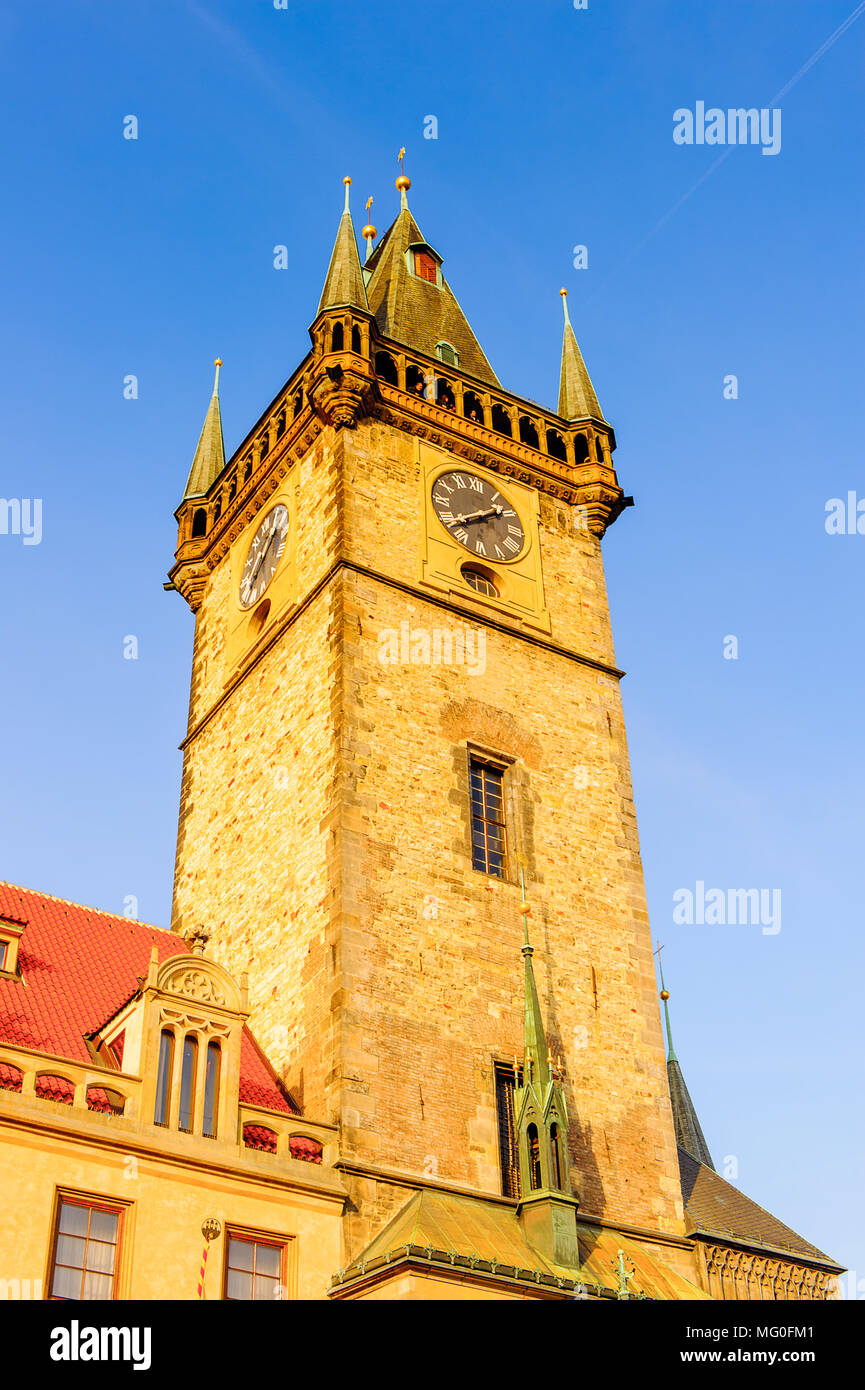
point(80, 966)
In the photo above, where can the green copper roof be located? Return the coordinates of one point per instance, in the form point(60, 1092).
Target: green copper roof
point(416, 312)
point(536, 1068)
point(209, 459)
point(484, 1237)
point(343, 283)
point(577, 397)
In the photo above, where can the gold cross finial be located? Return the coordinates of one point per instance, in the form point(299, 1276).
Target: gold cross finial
point(401, 157)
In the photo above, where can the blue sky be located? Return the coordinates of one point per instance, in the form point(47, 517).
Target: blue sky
point(555, 129)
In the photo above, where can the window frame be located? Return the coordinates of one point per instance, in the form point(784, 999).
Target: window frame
point(92, 1201)
point(479, 757)
point(275, 1240)
point(503, 1078)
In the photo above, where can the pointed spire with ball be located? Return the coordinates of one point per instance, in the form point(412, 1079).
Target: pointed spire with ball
point(547, 1207)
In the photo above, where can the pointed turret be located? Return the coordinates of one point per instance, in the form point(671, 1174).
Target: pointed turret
point(413, 303)
point(343, 285)
point(209, 459)
point(689, 1135)
point(577, 399)
point(547, 1206)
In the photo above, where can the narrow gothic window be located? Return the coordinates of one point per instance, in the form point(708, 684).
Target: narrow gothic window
point(163, 1077)
point(336, 338)
point(555, 1167)
point(509, 1154)
point(489, 848)
point(199, 523)
point(187, 1081)
point(534, 1157)
point(211, 1089)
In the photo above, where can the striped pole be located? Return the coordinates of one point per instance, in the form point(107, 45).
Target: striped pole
point(202, 1272)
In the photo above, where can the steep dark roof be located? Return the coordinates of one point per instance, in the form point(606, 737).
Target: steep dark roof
point(209, 459)
point(713, 1207)
point(414, 311)
point(577, 398)
point(689, 1135)
point(343, 285)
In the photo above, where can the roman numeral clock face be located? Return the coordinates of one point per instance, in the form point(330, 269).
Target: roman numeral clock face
point(478, 516)
point(265, 553)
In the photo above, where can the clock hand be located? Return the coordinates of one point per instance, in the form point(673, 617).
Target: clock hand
point(262, 557)
point(481, 516)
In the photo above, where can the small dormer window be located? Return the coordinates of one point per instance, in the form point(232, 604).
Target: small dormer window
point(425, 267)
point(446, 352)
point(10, 935)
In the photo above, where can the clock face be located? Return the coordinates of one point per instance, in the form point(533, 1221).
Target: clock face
point(478, 516)
point(264, 555)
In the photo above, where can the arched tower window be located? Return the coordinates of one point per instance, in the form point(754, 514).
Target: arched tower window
point(337, 338)
point(528, 432)
point(473, 407)
point(581, 449)
point(199, 523)
point(445, 394)
point(502, 420)
point(355, 339)
point(385, 367)
point(599, 448)
point(556, 446)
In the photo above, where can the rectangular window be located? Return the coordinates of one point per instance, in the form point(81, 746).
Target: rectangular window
point(86, 1244)
point(4, 947)
point(509, 1154)
point(425, 267)
point(254, 1268)
point(489, 841)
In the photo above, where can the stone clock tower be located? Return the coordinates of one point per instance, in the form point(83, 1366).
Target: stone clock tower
point(404, 695)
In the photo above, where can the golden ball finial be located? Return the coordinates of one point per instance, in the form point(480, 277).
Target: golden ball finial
point(563, 292)
point(525, 909)
point(346, 180)
point(369, 232)
point(217, 362)
point(665, 994)
point(403, 183)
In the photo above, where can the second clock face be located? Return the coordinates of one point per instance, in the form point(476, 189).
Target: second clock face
point(264, 555)
point(478, 516)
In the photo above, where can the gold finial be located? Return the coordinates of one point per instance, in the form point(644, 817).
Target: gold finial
point(403, 183)
point(347, 182)
point(563, 292)
point(665, 994)
point(369, 232)
point(217, 364)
